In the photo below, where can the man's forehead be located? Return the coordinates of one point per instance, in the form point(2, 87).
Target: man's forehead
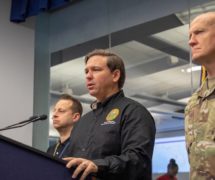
point(96, 61)
point(98, 58)
point(204, 19)
point(64, 102)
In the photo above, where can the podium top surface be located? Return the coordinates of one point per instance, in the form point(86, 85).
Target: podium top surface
point(19, 161)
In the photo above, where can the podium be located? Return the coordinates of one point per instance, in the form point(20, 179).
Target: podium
point(22, 162)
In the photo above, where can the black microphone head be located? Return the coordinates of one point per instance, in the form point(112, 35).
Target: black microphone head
point(38, 117)
point(42, 117)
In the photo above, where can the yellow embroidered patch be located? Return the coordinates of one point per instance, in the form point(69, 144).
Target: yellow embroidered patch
point(112, 114)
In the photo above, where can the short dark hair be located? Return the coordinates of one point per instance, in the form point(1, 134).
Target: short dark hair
point(76, 104)
point(113, 62)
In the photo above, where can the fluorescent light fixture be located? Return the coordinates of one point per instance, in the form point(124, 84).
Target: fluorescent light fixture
point(192, 69)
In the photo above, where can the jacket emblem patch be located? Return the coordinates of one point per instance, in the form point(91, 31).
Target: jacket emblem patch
point(112, 114)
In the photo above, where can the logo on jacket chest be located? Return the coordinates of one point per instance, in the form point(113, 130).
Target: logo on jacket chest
point(111, 117)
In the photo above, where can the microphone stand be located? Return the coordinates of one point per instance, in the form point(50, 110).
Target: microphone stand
point(25, 122)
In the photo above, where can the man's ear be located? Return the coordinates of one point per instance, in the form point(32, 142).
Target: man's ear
point(116, 75)
point(76, 117)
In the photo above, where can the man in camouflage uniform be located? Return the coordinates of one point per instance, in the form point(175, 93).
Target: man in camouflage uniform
point(200, 111)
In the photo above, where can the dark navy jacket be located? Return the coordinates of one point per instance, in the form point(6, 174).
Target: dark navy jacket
point(118, 135)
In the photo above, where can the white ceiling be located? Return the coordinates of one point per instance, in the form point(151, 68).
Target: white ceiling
point(148, 70)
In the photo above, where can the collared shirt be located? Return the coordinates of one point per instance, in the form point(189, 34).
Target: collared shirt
point(58, 149)
point(118, 135)
point(200, 132)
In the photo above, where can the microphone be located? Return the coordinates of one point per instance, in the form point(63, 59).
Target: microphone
point(25, 122)
point(37, 118)
point(33, 119)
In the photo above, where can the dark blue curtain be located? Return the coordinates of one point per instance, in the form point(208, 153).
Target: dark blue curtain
point(21, 9)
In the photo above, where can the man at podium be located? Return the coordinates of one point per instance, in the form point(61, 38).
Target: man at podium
point(115, 140)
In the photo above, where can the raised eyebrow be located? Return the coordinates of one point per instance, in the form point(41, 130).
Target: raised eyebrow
point(62, 110)
point(198, 30)
point(195, 31)
point(93, 67)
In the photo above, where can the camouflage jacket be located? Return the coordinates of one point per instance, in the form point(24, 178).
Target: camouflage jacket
point(200, 132)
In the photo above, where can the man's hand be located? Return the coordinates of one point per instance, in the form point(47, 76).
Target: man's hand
point(83, 165)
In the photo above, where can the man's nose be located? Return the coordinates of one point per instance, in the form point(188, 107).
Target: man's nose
point(192, 41)
point(54, 114)
point(89, 75)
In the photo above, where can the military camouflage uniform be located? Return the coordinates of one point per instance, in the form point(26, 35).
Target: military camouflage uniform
point(200, 132)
